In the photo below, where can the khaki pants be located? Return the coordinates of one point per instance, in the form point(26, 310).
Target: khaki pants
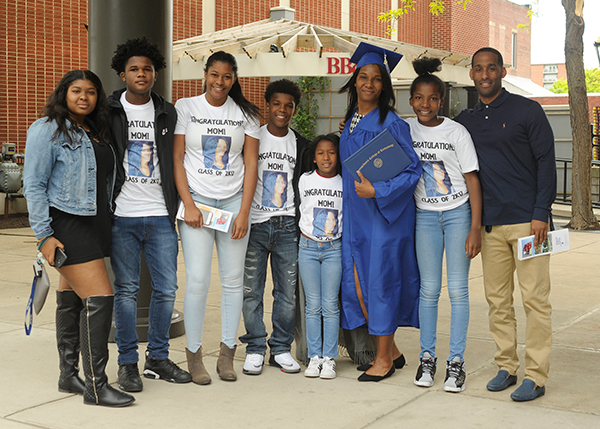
point(499, 258)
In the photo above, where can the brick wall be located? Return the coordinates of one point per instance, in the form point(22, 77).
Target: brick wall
point(187, 22)
point(563, 99)
point(363, 17)
point(506, 16)
point(31, 62)
point(231, 13)
point(470, 28)
point(416, 27)
point(319, 12)
point(537, 72)
point(43, 39)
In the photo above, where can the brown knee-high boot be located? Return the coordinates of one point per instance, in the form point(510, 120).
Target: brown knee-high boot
point(68, 310)
point(95, 328)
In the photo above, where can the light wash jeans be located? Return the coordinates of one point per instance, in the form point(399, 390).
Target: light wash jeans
point(157, 238)
point(320, 266)
point(436, 231)
point(197, 245)
point(277, 237)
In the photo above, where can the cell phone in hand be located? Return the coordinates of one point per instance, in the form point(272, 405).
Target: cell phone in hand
point(60, 257)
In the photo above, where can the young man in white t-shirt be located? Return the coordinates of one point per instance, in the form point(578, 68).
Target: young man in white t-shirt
point(274, 232)
point(142, 125)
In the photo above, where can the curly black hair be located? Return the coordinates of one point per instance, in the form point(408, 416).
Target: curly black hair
point(138, 47)
point(283, 86)
point(425, 67)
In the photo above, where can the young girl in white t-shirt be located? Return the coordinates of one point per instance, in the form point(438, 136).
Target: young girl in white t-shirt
point(320, 253)
point(215, 163)
point(448, 200)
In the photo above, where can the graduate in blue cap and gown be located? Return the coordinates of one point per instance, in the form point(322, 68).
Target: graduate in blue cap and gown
point(380, 282)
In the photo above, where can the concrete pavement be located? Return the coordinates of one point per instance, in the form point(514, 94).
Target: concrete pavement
point(29, 367)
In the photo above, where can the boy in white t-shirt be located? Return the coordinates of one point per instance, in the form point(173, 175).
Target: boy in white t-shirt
point(143, 125)
point(274, 233)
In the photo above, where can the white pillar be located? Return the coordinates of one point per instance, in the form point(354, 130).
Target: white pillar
point(394, 35)
point(209, 16)
point(345, 18)
point(285, 3)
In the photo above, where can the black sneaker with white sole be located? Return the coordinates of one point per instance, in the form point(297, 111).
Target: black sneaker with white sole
point(165, 370)
point(455, 375)
point(128, 378)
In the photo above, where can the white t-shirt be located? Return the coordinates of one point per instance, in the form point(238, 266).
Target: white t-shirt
point(214, 140)
point(274, 194)
point(446, 153)
point(320, 206)
point(141, 194)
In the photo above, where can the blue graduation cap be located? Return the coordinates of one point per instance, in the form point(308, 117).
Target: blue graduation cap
point(370, 54)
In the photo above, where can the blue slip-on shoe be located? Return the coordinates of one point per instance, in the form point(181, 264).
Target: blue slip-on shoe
point(527, 391)
point(501, 381)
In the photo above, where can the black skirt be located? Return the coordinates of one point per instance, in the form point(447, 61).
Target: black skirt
point(84, 237)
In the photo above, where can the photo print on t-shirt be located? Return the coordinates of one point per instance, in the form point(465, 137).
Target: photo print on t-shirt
point(140, 158)
point(325, 222)
point(216, 151)
point(436, 178)
point(274, 189)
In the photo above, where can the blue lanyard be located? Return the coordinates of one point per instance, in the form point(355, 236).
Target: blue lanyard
point(37, 271)
point(29, 309)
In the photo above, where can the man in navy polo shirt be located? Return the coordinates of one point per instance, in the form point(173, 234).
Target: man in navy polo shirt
point(515, 147)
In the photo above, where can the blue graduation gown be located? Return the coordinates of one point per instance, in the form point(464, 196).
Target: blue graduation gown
point(379, 237)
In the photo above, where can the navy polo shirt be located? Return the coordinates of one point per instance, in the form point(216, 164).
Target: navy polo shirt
point(517, 165)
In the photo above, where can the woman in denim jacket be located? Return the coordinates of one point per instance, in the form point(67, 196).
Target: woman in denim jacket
point(68, 181)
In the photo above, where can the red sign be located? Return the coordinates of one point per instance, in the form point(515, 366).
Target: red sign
point(340, 65)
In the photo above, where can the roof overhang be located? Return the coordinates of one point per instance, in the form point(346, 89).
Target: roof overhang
point(291, 48)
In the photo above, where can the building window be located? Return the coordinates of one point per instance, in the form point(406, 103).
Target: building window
point(514, 50)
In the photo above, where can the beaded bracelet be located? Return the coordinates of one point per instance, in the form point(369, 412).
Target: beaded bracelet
point(42, 241)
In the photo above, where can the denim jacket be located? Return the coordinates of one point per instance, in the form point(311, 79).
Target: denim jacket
point(58, 173)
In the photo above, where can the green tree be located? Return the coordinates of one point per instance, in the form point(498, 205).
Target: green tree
point(582, 215)
point(592, 82)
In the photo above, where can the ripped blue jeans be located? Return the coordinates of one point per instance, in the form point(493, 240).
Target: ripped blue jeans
point(276, 237)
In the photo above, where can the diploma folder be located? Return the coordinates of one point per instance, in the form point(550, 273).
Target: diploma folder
point(382, 158)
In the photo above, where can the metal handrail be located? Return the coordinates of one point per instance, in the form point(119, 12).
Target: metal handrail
point(562, 197)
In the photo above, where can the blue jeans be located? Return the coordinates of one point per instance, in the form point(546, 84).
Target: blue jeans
point(277, 237)
point(436, 231)
point(321, 270)
point(197, 245)
point(156, 236)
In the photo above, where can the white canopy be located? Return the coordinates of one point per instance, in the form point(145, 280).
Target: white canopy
point(291, 48)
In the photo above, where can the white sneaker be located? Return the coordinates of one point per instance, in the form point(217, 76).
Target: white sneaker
point(314, 367)
point(253, 364)
point(328, 368)
point(285, 361)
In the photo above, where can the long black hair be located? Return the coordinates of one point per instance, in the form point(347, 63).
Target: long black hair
point(249, 109)
point(424, 67)
point(56, 107)
point(309, 154)
point(387, 98)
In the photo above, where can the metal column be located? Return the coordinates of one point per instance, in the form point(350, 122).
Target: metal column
point(111, 23)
